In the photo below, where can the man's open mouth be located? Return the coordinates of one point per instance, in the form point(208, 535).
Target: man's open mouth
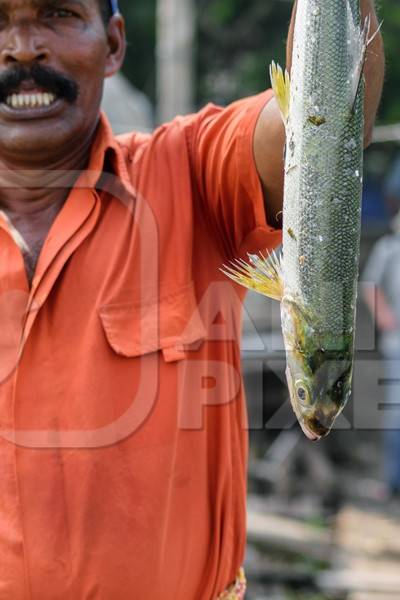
point(24, 100)
point(37, 92)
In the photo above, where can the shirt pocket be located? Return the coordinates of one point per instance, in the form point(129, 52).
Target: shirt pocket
point(171, 324)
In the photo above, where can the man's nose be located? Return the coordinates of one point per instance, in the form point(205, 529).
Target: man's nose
point(24, 44)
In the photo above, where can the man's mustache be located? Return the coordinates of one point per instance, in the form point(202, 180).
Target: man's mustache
point(45, 78)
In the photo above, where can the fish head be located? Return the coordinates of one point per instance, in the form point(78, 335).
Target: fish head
point(318, 372)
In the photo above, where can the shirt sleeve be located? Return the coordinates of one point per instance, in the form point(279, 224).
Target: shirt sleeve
point(229, 187)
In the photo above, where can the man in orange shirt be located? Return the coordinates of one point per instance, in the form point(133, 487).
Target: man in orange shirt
point(123, 427)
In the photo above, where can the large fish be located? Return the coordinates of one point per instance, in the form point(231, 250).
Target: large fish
point(316, 278)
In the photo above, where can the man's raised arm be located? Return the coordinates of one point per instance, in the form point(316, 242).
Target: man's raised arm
point(269, 136)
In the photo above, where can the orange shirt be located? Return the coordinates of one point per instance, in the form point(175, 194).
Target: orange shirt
point(123, 425)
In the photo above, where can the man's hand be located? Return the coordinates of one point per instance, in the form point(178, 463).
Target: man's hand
point(269, 138)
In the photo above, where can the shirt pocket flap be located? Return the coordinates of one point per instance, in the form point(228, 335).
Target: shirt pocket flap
point(171, 325)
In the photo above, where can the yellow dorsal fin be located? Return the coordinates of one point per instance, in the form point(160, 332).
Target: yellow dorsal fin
point(263, 274)
point(281, 85)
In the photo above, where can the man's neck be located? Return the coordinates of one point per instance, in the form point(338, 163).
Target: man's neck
point(31, 196)
point(29, 228)
point(30, 186)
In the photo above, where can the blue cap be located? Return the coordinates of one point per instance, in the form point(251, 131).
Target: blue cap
point(114, 6)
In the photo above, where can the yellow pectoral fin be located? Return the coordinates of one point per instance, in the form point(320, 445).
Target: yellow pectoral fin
point(281, 85)
point(262, 274)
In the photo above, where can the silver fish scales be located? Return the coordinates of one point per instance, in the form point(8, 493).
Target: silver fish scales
point(316, 279)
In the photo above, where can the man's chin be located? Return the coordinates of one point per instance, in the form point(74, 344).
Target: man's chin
point(42, 141)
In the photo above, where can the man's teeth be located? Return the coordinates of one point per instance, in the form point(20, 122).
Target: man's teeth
point(30, 100)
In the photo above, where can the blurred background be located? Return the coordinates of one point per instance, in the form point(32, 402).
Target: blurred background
point(324, 519)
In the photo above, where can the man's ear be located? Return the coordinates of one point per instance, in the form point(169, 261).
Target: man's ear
point(116, 45)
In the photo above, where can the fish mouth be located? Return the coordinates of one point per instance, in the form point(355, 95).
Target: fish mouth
point(316, 432)
point(309, 434)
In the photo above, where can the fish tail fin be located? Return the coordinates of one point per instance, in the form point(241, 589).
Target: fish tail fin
point(262, 274)
point(280, 82)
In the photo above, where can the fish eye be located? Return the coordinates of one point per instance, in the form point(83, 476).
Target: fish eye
point(302, 393)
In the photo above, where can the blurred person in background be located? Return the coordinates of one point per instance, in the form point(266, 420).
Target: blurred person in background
point(383, 300)
point(391, 189)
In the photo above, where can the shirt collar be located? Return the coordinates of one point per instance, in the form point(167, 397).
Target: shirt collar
point(106, 153)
